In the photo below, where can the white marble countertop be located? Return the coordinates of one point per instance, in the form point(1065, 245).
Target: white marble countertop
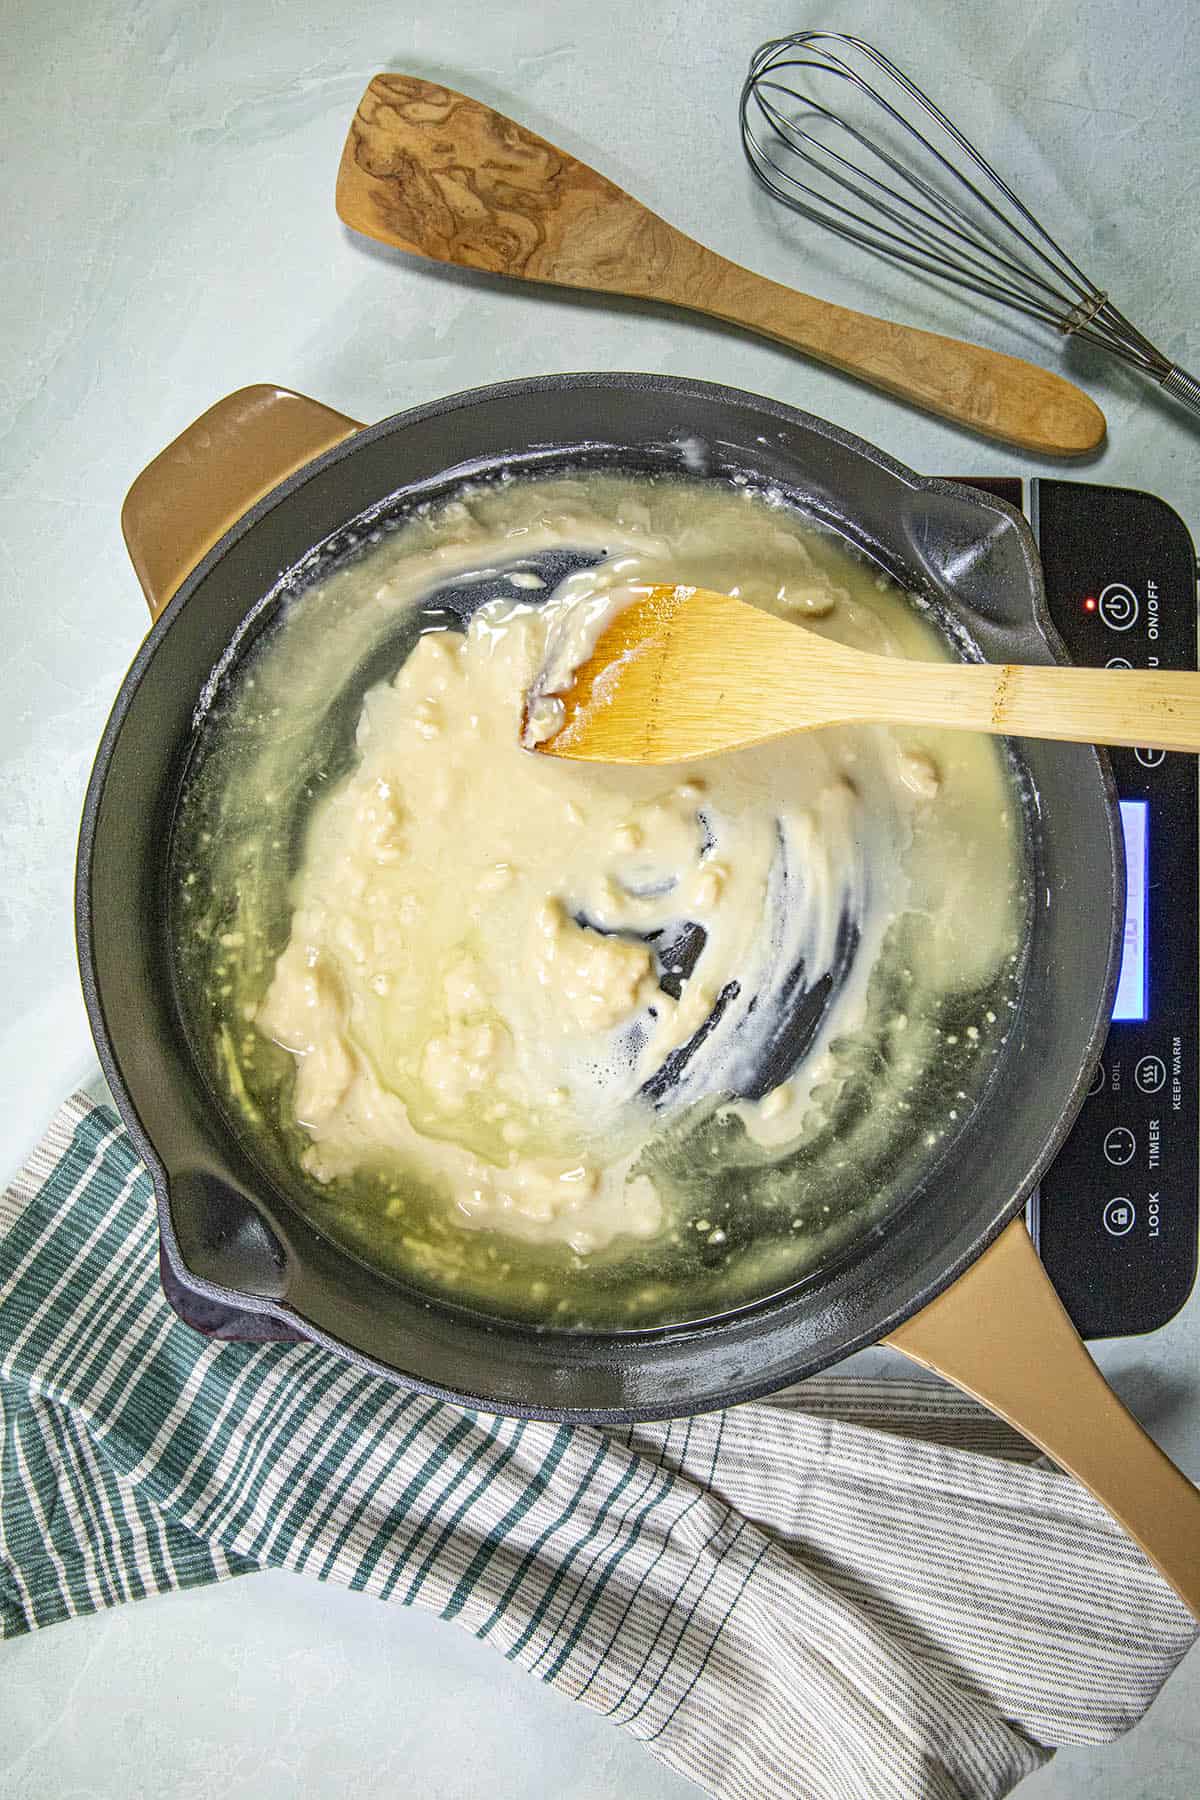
point(167, 179)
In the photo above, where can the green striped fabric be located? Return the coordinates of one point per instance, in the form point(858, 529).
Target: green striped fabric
point(864, 1588)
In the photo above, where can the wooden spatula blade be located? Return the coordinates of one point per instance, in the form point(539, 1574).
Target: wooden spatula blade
point(438, 174)
point(678, 675)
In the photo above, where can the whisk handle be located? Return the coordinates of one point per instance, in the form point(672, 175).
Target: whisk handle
point(999, 396)
point(1183, 386)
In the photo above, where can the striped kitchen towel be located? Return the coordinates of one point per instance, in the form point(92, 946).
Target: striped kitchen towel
point(861, 1589)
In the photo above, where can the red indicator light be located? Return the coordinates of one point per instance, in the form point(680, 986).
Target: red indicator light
point(1089, 604)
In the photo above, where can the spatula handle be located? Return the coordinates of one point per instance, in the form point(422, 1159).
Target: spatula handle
point(1133, 707)
point(1000, 396)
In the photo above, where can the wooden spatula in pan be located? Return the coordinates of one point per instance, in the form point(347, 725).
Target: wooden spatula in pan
point(682, 673)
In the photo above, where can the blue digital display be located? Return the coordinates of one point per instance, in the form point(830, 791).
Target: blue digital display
point(1133, 987)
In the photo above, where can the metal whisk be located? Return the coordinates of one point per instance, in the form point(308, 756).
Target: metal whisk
point(922, 194)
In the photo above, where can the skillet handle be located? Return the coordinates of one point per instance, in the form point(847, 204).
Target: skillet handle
point(200, 485)
point(1000, 1332)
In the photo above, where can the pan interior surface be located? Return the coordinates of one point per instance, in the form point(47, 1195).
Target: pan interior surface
point(871, 1068)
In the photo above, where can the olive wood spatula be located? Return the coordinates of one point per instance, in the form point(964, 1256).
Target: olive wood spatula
point(440, 175)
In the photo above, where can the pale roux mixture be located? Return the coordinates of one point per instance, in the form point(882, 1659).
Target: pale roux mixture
point(471, 987)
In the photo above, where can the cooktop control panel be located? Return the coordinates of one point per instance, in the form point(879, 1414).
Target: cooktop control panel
point(1116, 1217)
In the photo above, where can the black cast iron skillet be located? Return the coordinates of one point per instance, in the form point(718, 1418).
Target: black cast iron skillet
point(244, 496)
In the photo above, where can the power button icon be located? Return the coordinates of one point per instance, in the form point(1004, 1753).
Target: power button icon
point(1118, 606)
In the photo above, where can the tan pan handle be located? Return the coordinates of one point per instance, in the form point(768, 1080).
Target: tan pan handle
point(200, 485)
point(1000, 1333)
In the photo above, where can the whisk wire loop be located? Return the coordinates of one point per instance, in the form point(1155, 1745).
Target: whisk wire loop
point(933, 204)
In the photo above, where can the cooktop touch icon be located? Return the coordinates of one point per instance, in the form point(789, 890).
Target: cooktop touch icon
point(1119, 1216)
